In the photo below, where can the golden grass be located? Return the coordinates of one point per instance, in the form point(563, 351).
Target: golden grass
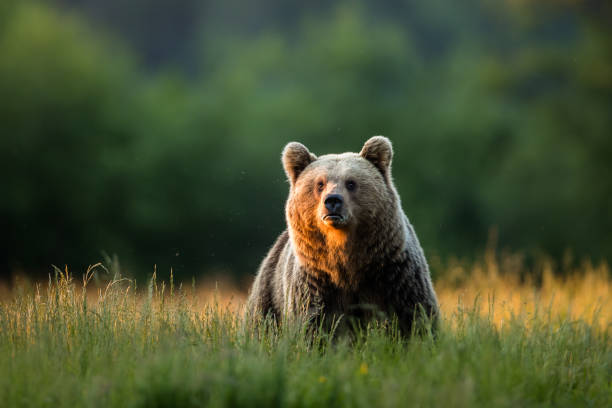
point(497, 287)
point(501, 288)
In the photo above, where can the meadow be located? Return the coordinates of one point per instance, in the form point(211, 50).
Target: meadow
point(153, 130)
point(510, 336)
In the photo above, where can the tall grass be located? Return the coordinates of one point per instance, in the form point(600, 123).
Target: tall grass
point(502, 287)
point(503, 342)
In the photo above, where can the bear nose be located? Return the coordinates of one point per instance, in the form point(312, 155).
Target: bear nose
point(333, 203)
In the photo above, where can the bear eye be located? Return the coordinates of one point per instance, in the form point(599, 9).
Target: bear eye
point(320, 185)
point(350, 185)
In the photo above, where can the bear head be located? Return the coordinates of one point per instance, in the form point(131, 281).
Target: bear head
point(340, 204)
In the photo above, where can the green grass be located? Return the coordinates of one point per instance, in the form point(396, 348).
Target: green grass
point(157, 349)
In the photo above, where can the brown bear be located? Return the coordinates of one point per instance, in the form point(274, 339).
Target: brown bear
point(349, 248)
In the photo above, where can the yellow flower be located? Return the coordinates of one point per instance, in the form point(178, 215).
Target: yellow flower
point(363, 369)
point(322, 379)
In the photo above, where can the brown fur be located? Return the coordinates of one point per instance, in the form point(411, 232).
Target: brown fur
point(369, 258)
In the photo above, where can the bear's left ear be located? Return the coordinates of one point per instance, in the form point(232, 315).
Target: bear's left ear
point(379, 152)
point(295, 159)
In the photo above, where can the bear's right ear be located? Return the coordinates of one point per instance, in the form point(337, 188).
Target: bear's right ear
point(295, 159)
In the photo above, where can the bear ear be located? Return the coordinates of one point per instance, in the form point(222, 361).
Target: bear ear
point(295, 159)
point(379, 152)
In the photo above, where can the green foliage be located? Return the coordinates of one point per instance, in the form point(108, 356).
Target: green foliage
point(499, 118)
point(157, 350)
point(65, 129)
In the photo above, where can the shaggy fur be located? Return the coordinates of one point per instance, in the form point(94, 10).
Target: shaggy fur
point(366, 259)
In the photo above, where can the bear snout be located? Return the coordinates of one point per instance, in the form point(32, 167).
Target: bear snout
point(334, 203)
point(333, 212)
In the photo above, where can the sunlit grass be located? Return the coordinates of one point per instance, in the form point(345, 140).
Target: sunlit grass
point(502, 288)
point(503, 341)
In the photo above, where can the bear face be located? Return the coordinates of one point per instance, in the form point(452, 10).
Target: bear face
point(338, 191)
point(337, 201)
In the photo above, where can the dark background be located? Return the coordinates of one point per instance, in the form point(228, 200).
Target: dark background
point(152, 130)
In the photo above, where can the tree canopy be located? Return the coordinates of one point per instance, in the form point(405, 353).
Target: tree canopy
point(161, 142)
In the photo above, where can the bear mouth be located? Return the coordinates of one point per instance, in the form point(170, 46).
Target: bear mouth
point(335, 220)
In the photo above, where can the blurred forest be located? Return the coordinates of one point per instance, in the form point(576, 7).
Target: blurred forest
point(152, 130)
